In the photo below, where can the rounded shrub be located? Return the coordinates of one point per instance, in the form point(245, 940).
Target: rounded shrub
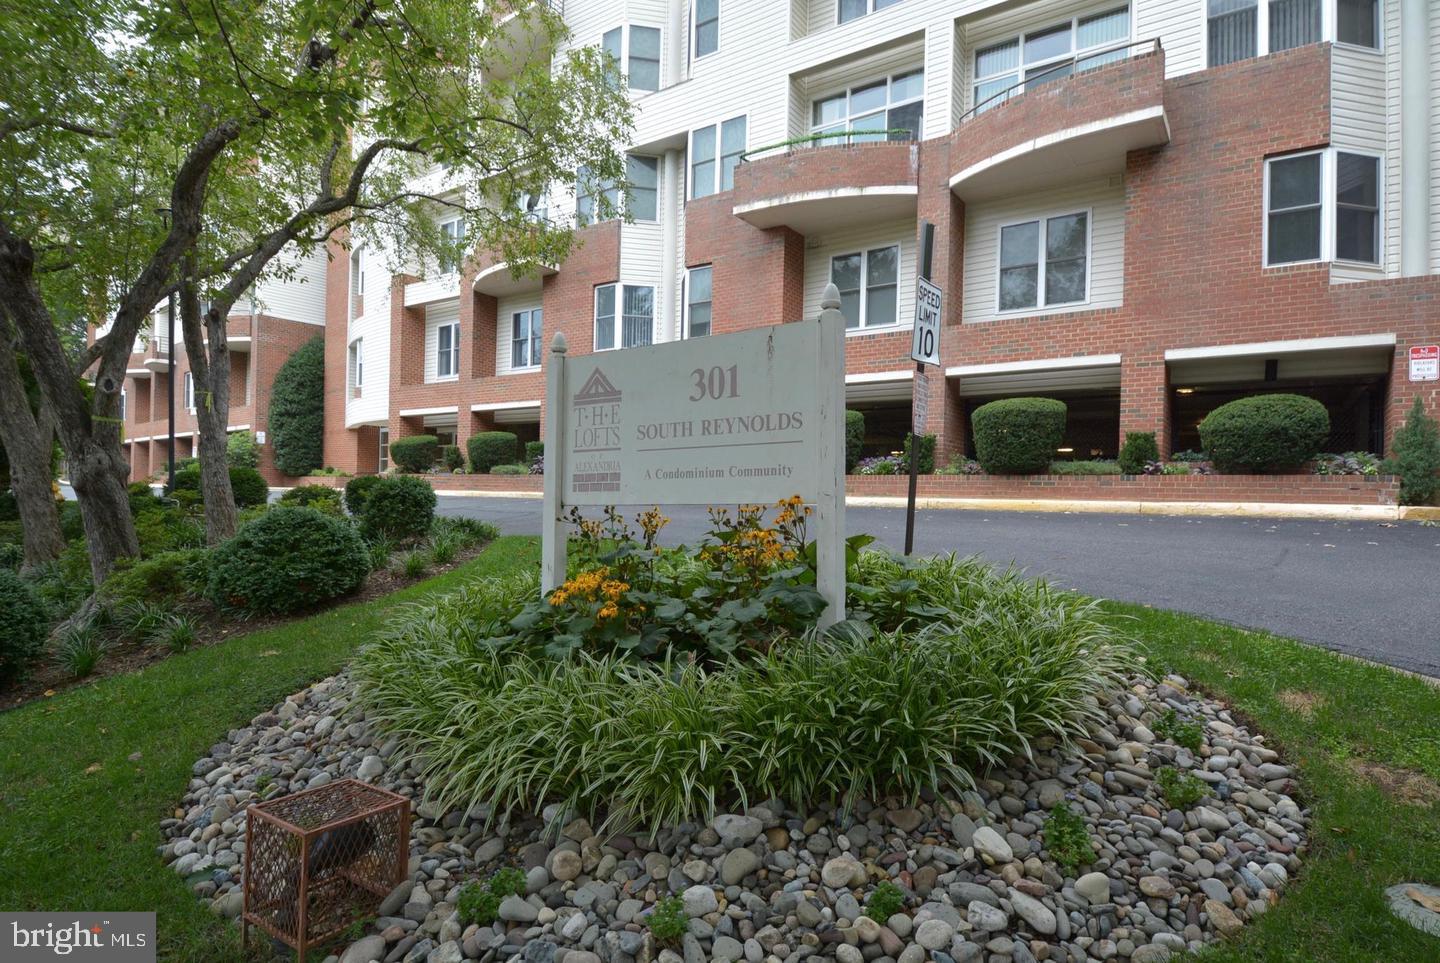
point(416, 453)
point(399, 508)
point(249, 488)
point(155, 580)
point(854, 438)
point(143, 498)
point(241, 450)
point(534, 450)
point(320, 497)
point(285, 560)
point(1139, 449)
point(187, 479)
point(22, 625)
point(1265, 433)
point(357, 490)
point(1018, 436)
point(297, 410)
point(490, 448)
point(927, 454)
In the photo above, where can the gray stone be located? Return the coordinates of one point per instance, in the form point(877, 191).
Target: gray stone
point(449, 952)
point(725, 950)
point(841, 872)
point(371, 767)
point(736, 830)
point(962, 827)
point(1040, 917)
point(962, 894)
point(369, 949)
point(983, 916)
point(513, 909)
point(699, 900)
point(565, 865)
point(845, 953)
point(934, 934)
point(990, 843)
point(738, 864)
point(1095, 887)
point(539, 951)
point(1150, 953)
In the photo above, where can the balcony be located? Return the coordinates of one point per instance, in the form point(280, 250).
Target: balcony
point(516, 41)
point(499, 281)
point(811, 188)
point(1069, 129)
point(157, 356)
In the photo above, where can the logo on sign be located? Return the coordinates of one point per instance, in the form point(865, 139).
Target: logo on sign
point(596, 427)
point(118, 937)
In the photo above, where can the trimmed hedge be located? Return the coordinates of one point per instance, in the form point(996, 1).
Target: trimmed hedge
point(534, 450)
point(415, 454)
point(1139, 449)
point(1265, 433)
point(357, 490)
point(1018, 436)
point(400, 508)
point(854, 438)
point(927, 454)
point(319, 497)
point(143, 498)
point(287, 559)
point(490, 448)
point(22, 625)
point(247, 486)
point(297, 410)
point(1416, 457)
point(509, 470)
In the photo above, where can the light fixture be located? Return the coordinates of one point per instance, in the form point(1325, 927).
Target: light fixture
point(1065, 451)
point(1184, 391)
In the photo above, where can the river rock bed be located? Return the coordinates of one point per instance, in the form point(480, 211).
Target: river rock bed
point(775, 885)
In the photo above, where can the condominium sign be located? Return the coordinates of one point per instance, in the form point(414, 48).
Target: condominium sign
point(750, 417)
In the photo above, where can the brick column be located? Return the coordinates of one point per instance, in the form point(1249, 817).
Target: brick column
point(1144, 398)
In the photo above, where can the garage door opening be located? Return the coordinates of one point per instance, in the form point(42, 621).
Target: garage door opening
point(1356, 407)
point(1092, 424)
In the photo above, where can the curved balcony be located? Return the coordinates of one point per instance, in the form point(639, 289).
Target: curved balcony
point(811, 189)
point(1047, 132)
point(499, 281)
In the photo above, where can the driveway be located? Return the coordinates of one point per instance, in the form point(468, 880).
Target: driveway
point(1369, 589)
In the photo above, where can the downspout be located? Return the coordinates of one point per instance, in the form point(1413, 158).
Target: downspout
point(1415, 109)
point(669, 242)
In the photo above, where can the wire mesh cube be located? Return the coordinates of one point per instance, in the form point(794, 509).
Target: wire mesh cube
point(320, 859)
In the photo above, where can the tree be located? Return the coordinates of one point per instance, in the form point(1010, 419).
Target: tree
point(28, 447)
point(237, 118)
point(1415, 457)
point(297, 410)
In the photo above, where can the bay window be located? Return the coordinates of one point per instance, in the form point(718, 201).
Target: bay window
point(642, 177)
point(869, 285)
point(1357, 207)
point(640, 57)
point(525, 335)
point(707, 27)
point(636, 315)
point(1322, 205)
point(890, 108)
point(1240, 29)
point(715, 152)
point(1044, 262)
point(1036, 57)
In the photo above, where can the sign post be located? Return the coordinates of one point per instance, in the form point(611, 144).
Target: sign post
point(1425, 362)
point(924, 349)
point(750, 417)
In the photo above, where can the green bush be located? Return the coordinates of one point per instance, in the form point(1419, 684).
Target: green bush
point(1265, 433)
point(886, 900)
point(12, 555)
point(187, 479)
point(534, 450)
point(162, 579)
point(509, 470)
point(490, 448)
point(357, 490)
point(72, 522)
point(287, 559)
point(167, 530)
point(399, 508)
point(249, 488)
point(1018, 436)
point(320, 497)
point(11, 533)
point(1067, 839)
point(23, 621)
point(415, 454)
point(241, 450)
point(297, 410)
point(450, 458)
point(1174, 729)
point(668, 921)
point(927, 454)
point(143, 498)
point(1415, 457)
point(480, 904)
point(1084, 468)
point(1180, 790)
point(854, 438)
point(1139, 450)
point(9, 507)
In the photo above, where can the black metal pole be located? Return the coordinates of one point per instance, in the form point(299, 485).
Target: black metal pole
point(927, 259)
point(170, 376)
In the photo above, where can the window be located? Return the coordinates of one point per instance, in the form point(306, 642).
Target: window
point(707, 27)
point(642, 184)
point(641, 60)
point(848, 10)
point(588, 191)
point(1240, 29)
point(452, 234)
point(444, 437)
point(447, 350)
point(868, 283)
point(122, 404)
point(525, 338)
point(1051, 53)
point(1045, 262)
point(357, 366)
point(534, 205)
point(188, 392)
point(1358, 22)
point(613, 43)
point(637, 315)
point(1307, 221)
point(709, 173)
point(357, 280)
point(384, 461)
point(697, 302)
point(892, 104)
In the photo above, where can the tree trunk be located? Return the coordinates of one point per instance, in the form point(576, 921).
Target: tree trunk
point(210, 371)
point(28, 446)
point(98, 474)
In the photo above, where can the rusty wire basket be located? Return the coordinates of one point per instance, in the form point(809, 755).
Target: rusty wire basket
point(320, 859)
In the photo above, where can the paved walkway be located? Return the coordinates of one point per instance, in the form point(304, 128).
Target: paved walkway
point(1370, 589)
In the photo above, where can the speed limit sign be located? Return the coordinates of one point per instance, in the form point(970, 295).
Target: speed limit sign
point(925, 346)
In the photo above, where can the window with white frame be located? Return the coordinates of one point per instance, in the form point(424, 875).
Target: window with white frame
point(1036, 57)
point(357, 280)
point(890, 108)
point(447, 350)
point(707, 27)
point(1240, 29)
point(714, 154)
point(383, 464)
point(452, 235)
point(525, 331)
point(1322, 205)
point(357, 366)
point(122, 404)
point(637, 49)
point(534, 205)
point(698, 301)
point(188, 392)
point(642, 186)
point(635, 319)
point(589, 190)
point(1358, 22)
point(869, 285)
point(1044, 262)
point(847, 10)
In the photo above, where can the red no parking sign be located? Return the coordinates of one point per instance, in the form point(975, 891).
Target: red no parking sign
point(1425, 362)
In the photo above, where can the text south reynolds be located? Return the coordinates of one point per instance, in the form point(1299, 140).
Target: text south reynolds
point(756, 424)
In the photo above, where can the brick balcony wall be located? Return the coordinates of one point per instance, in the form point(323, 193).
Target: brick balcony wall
point(824, 167)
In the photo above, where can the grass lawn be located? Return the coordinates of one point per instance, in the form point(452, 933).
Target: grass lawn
point(79, 822)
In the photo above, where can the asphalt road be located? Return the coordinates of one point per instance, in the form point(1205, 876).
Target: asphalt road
point(1370, 589)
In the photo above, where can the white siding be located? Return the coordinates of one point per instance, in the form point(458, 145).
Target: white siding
point(1392, 131)
point(1106, 203)
point(436, 315)
point(297, 297)
point(373, 407)
point(503, 310)
point(817, 264)
point(1360, 119)
point(1179, 25)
